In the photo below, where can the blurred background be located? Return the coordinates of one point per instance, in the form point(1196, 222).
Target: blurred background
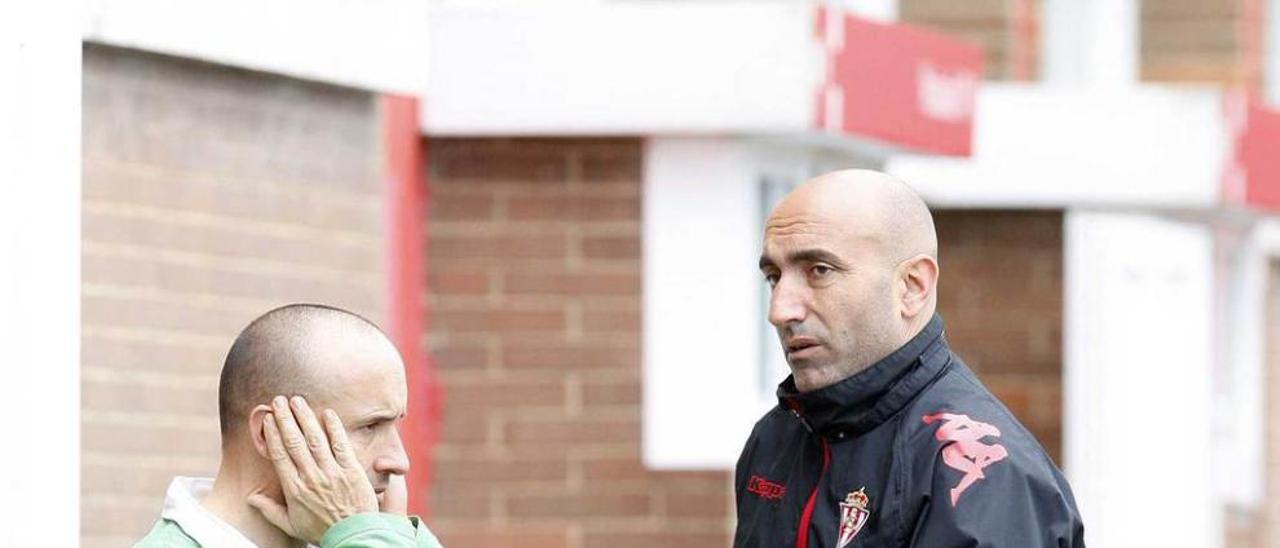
point(555, 210)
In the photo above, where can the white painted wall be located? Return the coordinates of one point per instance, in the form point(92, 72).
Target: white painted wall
point(1037, 146)
point(40, 273)
point(885, 11)
point(1138, 368)
point(647, 67)
point(1240, 425)
point(1090, 43)
point(700, 333)
point(379, 45)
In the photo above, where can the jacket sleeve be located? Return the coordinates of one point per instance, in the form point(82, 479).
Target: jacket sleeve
point(379, 530)
point(1009, 504)
point(740, 469)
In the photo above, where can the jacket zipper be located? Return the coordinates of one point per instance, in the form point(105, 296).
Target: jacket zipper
point(802, 535)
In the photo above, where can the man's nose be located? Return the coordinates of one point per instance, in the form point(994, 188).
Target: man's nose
point(392, 459)
point(788, 303)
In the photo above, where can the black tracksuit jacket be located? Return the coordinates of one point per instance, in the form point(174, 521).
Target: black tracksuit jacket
point(910, 452)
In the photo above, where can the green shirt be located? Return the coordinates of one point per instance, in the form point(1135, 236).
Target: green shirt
point(184, 522)
point(371, 530)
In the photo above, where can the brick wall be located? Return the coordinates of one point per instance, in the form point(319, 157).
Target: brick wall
point(1006, 30)
point(1001, 297)
point(534, 290)
point(210, 195)
point(1214, 41)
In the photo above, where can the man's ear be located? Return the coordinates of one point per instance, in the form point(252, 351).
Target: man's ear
point(918, 277)
point(256, 432)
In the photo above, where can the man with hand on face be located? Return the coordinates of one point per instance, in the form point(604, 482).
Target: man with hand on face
point(882, 436)
point(324, 467)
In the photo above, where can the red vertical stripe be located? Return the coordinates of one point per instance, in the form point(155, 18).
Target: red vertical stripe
point(1022, 39)
point(406, 200)
point(802, 535)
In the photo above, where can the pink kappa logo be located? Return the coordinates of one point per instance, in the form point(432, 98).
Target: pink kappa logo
point(964, 450)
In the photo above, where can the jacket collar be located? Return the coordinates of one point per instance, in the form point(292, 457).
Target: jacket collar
point(865, 399)
point(182, 506)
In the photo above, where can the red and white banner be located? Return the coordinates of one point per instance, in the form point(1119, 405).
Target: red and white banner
point(899, 84)
point(1253, 175)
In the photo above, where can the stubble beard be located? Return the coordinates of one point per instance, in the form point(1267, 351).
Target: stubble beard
point(854, 355)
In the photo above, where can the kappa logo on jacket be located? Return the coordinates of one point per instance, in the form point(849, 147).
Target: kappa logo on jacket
point(766, 489)
point(964, 450)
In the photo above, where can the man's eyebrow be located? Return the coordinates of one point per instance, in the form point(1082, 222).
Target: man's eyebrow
point(378, 416)
point(817, 255)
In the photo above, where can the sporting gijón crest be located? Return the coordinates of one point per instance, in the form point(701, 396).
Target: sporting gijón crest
point(853, 515)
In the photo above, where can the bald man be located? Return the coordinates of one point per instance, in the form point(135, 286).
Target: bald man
point(309, 401)
point(882, 436)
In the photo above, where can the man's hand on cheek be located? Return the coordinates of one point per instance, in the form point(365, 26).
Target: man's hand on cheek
point(320, 477)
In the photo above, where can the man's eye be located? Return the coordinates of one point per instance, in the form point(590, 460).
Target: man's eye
point(821, 270)
point(771, 279)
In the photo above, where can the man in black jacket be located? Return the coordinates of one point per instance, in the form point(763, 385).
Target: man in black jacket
point(882, 436)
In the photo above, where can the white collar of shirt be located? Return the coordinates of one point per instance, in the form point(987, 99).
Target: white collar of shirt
point(182, 506)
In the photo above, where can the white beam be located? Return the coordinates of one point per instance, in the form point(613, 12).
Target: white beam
point(379, 45)
point(655, 67)
point(40, 272)
point(884, 11)
point(1138, 329)
point(1038, 146)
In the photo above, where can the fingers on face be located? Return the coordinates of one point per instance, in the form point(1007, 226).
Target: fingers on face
point(317, 441)
point(342, 450)
point(279, 455)
point(294, 442)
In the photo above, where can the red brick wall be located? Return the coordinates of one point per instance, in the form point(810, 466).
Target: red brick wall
point(1215, 41)
point(534, 295)
point(213, 194)
point(210, 195)
point(1001, 297)
point(1006, 30)
point(534, 291)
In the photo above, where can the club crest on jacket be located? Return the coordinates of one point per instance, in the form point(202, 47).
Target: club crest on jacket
point(853, 515)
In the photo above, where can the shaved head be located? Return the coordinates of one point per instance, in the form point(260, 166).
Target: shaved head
point(852, 258)
point(299, 349)
point(871, 204)
point(341, 364)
